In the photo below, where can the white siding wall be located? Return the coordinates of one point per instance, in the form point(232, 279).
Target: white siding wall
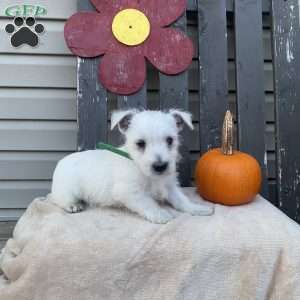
point(37, 108)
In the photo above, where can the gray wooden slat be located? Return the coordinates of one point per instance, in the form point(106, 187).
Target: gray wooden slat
point(194, 105)
point(192, 30)
point(153, 103)
point(268, 77)
point(92, 99)
point(266, 20)
point(286, 39)
point(213, 70)
point(137, 100)
point(174, 94)
point(174, 89)
point(265, 5)
point(272, 166)
point(249, 82)
point(192, 5)
point(273, 192)
point(267, 45)
point(194, 76)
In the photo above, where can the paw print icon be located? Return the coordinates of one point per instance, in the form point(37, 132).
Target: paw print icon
point(24, 31)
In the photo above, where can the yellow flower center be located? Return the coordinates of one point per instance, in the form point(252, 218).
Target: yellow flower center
point(131, 27)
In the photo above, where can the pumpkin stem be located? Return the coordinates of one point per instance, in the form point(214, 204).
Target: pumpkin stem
point(227, 134)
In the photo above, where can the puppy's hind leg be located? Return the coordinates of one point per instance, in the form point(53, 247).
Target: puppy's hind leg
point(67, 202)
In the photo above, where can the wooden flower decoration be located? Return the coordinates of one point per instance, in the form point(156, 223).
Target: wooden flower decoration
point(126, 32)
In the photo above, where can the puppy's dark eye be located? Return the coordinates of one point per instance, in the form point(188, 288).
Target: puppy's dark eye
point(141, 144)
point(169, 140)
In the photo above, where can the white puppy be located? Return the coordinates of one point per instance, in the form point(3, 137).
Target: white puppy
point(108, 179)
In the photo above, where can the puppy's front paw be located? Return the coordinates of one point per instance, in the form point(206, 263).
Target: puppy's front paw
point(75, 208)
point(201, 210)
point(160, 217)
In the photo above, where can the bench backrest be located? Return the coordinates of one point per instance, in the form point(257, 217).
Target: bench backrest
point(206, 84)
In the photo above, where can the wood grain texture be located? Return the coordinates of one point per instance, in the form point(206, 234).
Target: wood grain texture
point(174, 94)
point(195, 76)
point(265, 5)
point(249, 82)
point(213, 71)
point(137, 100)
point(92, 105)
point(92, 99)
point(192, 5)
point(286, 32)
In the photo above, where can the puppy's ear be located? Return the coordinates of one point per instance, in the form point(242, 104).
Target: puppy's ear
point(181, 118)
point(122, 118)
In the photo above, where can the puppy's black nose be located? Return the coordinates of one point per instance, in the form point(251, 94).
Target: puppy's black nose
point(160, 167)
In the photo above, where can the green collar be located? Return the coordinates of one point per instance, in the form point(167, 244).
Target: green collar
point(108, 147)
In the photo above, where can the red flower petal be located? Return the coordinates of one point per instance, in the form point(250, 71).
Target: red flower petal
point(87, 33)
point(169, 50)
point(163, 12)
point(124, 72)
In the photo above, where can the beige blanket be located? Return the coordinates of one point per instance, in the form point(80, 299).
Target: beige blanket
point(242, 253)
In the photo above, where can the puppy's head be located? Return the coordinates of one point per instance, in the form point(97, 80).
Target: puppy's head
point(152, 138)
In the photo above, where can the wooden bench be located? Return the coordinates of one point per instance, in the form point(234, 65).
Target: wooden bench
point(204, 90)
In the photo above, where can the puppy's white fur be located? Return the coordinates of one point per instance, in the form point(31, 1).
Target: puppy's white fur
point(105, 178)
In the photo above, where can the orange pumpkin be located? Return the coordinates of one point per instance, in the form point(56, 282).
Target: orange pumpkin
point(225, 176)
